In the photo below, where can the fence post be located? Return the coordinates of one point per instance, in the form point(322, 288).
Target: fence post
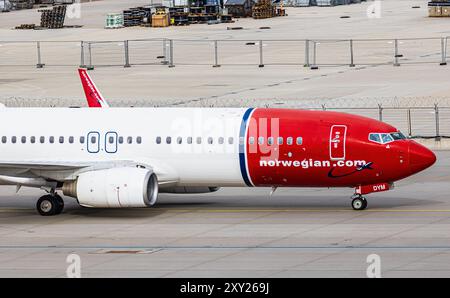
point(436, 115)
point(90, 67)
point(380, 112)
point(171, 53)
point(127, 54)
point(306, 53)
point(261, 62)
point(352, 62)
point(164, 52)
point(443, 52)
point(82, 65)
point(396, 55)
point(216, 54)
point(409, 123)
point(314, 65)
point(39, 63)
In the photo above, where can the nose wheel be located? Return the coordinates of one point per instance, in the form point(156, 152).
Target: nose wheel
point(359, 203)
point(49, 205)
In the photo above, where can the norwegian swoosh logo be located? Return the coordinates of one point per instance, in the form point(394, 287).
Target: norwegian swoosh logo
point(367, 166)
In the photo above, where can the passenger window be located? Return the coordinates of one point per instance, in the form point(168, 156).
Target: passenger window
point(82, 139)
point(93, 140)
point(221, 140)
point(179, 140)
point(24, 140)
point(158, 140)
point(289, 141)
point(139, 140)
point(111, 140)
point(33, 140)
point(270, 141)
point(189, 140)
point(210, 140)
point(199, 140)
point(52, 140)
point(14, 140)
point(130, 140)
point(299, 140)
point(4, 140)
point(168, 140)
point(261, 140)
point(71, 140)
point(61, 140)
point(280, 141)
point(42, 140)
point(251, 140)
point(230, 140)
point(120, 140)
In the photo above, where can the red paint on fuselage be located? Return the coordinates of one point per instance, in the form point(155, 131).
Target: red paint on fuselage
point(342, 156)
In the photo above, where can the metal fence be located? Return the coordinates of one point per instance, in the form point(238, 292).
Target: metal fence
point(309, 53)
point(415, 122)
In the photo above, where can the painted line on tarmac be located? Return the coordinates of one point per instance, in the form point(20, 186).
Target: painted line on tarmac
point(175, 210)
point(129, 249)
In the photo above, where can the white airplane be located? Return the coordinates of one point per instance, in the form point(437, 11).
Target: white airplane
point(124, 157)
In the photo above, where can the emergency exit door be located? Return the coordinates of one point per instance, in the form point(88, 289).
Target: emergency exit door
point(338, 136)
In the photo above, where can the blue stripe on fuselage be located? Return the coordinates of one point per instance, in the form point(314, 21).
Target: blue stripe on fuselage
point(242, 148)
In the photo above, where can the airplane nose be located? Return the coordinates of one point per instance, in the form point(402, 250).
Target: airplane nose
point(420, 157)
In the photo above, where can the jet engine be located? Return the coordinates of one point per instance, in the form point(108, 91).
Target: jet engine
point(114, 188)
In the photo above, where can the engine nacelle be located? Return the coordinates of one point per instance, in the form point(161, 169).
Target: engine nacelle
point(114, 188)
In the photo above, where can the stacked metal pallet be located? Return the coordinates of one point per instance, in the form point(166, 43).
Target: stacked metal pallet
point(137, 16)
point(21, 4)
point(439, 8)
point(263, 9)
point(53, 18)
point(178, 16)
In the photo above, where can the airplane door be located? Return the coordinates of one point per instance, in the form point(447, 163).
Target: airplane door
point(93, 142)
point(338, 136)
point(111, 142)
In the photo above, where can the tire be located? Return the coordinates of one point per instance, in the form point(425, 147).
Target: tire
point(59, 204)
point(359, 203)
point(48, 205)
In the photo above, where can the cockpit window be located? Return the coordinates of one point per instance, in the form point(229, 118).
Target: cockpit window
point(384, 138)
point(398, 136)
point(375, 137)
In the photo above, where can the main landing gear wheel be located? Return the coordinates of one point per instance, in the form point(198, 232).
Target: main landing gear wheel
point(50, 205)
point(359, 203)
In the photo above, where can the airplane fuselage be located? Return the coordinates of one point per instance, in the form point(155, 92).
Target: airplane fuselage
point(214, 147)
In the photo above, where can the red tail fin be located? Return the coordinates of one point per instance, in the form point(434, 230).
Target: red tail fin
point(93, 95)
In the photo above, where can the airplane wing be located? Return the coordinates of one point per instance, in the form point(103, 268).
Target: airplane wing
point(93, 95)
point(39, 171)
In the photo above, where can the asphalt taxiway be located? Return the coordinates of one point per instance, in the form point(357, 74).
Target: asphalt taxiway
point(238, 233)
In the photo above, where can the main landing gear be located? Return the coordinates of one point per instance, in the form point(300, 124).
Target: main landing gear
point(51, 204)
point(359, 202)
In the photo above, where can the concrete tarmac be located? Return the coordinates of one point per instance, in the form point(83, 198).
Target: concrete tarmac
point(238, 233)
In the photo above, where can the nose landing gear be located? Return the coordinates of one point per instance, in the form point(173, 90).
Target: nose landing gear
point(51, 204)
point(359, 202)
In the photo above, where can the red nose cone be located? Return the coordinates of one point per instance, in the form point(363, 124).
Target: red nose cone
point(420, 157)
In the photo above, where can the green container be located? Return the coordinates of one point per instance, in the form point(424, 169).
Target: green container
point(114, 20)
